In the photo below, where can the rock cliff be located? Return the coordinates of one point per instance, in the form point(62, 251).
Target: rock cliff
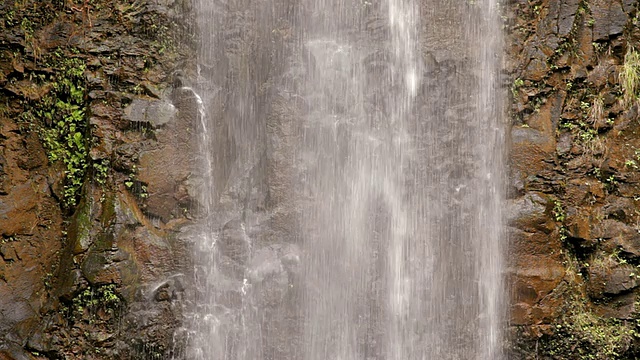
point(95, 164)
point(573, 208)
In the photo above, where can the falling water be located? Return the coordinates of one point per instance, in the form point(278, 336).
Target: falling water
point(351, 181)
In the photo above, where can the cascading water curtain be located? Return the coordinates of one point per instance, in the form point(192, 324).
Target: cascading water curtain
point(490, 234)
point(374, 130)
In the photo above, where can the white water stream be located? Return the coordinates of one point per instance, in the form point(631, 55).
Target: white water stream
point(352, 192)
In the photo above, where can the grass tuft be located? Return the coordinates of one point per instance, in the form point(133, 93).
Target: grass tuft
point(630, 77)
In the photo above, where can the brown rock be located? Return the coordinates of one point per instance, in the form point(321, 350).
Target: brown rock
point(98, 269)
point(28, 90)
point(609, 277)
point(628, 190)
point(628, 5)
point(536, 70)
point(609, 17)
point(15, 353)
point(537, 143)
point(8, 252)
point(619, 208)
point(530, 148)
point(234, 241)
point(564, 144)
point(56, 34)
point(618, 307)
point(18, 213)
point(599, 76)
point(585, 52)
point(528, 212)
point(34, 156)
point(579, 226)
point(525, 244)
point(618, 235)
point(520, 314)
point(533, 278)
point(163, 171)
point(584, 191)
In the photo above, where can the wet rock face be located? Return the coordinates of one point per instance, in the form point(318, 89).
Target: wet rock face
point(91, 264)
point(157, 113)
point(574, 180)
point(29, 219)
point(608, 277)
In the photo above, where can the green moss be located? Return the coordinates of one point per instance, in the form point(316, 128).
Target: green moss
point(80, 228)
point(580, 333)
point(583, 335)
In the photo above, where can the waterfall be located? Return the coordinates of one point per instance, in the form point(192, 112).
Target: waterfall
point(352, 181)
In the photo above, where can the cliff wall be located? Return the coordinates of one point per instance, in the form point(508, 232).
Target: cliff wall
point(95, 157)
point(573, 208)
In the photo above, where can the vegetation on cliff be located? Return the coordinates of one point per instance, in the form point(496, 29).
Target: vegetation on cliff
point(79, 244)
point(576, 147)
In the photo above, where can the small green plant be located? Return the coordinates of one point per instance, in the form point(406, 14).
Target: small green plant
point(9, 18)
point(60, 117)
point(610, 183)
point(7, 239)
point(588, 135)
point(515, 88)
point(97, 297)
point(584, 105)
point(101, 169)
point(598, 47)
point(564, 124)
point(130, 181)
point(144, 193)
point(597, 173)
point(137, 89)
point(580, 333)
point(631, 164)
point(630, 77)
point(559, 214)
point(48, 281)
point(136, 187)
point(27, 27)
point(563, 233)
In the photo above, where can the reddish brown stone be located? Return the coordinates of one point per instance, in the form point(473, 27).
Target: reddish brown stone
point(18, 209)
point(536, 70)
point(607, 276)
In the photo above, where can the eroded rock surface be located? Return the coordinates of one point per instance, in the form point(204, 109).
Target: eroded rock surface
point(574, 180)
point(91, 122)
